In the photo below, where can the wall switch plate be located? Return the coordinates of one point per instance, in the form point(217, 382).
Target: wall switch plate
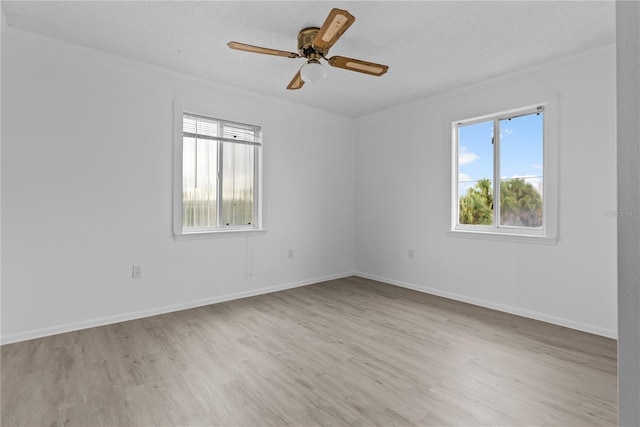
point(137, 271)
point(412, 254)
point(290, 253)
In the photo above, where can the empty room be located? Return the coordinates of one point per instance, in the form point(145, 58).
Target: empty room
point(240, 213)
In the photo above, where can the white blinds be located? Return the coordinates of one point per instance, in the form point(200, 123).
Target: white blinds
point(199, 127)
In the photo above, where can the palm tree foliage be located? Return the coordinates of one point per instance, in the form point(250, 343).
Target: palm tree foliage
point(520, 204)
point(476, 207)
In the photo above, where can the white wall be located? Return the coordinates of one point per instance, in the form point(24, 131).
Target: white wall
point(628, 90)
point(403, 199)
point(87, 187)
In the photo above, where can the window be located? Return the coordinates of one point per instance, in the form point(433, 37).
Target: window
point(499, 181)
point(218, 173)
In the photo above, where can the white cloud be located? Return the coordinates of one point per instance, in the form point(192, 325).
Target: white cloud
point(463, 177)
point(505, 131)
point(465, 182)
point(535, 166)
point(465, 157)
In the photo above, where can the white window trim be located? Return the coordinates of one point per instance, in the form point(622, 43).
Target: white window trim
point(548, 234)
point(205, 232)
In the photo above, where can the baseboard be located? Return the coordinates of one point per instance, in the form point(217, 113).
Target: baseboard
point(102, 321)
point(596, 330)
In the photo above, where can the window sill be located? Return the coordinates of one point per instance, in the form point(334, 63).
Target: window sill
point(195, 235)
point(504, 237)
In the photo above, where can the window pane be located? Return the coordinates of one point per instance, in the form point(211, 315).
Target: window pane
point(521, 178)
point(238, 181)
point(475, 173)
point(199, 183)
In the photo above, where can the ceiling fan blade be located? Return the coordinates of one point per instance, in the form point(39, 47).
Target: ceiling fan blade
point(358, 65)
point(296, 82)
point(264, 50)
point(334, 26)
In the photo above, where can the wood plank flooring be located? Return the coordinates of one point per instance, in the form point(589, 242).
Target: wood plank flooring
point(349, 352)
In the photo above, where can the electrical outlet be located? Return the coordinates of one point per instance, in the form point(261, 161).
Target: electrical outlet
point(137, 271)
point(412, 254)
point(290, 253)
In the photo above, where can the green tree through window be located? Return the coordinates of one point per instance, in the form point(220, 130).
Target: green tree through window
point(476, 207)
point(520, 204)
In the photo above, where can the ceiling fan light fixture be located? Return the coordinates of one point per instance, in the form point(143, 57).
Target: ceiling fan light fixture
point(313, 71)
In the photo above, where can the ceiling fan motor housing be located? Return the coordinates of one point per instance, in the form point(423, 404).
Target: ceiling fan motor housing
point(305, 43)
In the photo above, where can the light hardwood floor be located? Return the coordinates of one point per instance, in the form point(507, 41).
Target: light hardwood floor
point(339, 353)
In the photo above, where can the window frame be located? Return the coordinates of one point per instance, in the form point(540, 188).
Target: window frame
point(546, 234)
point(179, 231)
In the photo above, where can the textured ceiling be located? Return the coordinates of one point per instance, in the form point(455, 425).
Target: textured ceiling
point(430, 46)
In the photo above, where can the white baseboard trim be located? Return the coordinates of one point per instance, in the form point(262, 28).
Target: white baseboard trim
point(609, 333)
point(102, 321)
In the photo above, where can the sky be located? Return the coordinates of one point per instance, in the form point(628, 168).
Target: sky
point(520, 151)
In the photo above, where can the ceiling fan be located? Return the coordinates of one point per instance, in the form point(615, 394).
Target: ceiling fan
point(314, 44)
